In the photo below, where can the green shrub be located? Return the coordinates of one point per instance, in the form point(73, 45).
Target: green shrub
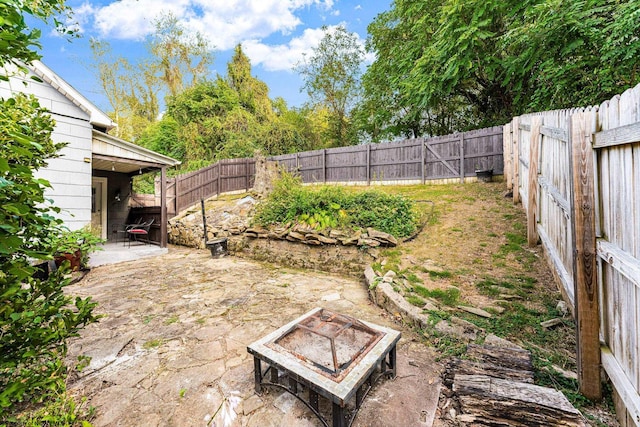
point(36, 317)
point(333, 207)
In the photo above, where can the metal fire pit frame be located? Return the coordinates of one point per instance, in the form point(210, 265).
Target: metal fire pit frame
point(380, 360)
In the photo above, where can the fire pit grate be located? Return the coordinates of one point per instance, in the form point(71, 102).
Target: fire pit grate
point(329, 341)
point(327, 354)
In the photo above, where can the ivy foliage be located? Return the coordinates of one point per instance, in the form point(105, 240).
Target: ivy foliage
point(328, 207)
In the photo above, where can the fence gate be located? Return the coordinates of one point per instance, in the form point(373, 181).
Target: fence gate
point(444, 157)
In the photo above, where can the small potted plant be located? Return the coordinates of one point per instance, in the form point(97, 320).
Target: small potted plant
point(73, 246)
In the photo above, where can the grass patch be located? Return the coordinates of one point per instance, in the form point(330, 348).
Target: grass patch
point(412, 277)
point(152, 344)
point(415, 300)
point(440, 274)
point(171, 320)
point(449, 296)
point(63, 410)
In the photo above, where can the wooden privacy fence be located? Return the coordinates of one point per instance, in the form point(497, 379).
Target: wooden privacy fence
point(222, 177)
point(577, 174)
point(453, 156)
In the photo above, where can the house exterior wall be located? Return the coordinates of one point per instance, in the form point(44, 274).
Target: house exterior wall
point(70, 174)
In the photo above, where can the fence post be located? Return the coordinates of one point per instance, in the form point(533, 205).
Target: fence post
point(507, 144)
point(163, 207)
point(324, 165)
point(246, 173)
point(176, 201)
point(516, 160)
point(368, 164)
point(462, 158)
point(585, 281)
point(532, 205)
point(219, 169)
point(424, 160)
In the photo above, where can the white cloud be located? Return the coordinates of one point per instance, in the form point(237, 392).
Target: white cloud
point(284, 57)
point(358, 7)
point(77, 22)
point(225, 22)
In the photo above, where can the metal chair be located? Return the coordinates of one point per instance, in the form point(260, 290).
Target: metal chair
point(140, 231)
point(124, 231)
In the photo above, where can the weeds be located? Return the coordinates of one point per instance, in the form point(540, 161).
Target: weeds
point(449, 297)
point(152, 344)
point(415, 300)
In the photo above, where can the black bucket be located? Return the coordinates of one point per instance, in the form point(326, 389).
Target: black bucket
point(218, 247)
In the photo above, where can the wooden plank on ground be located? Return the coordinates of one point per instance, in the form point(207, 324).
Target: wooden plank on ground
point(495, 402)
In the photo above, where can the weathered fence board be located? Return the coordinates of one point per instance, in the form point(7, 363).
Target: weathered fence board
point(450, 156)
point(606, 194)
point(413, 160)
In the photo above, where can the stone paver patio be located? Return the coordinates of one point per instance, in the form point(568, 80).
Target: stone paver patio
point(172, 343)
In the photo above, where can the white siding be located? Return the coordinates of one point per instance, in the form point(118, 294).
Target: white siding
point(69, 175)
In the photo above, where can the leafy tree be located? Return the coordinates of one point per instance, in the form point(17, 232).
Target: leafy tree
point(180, 57)
point(446, 65)
point(569, 53)
point(18, 41)
point(253, 93)
point(332, 79)
point(162, 137)
point(36, 317)
point(231, 117)
point(177, 60)
point(399, 37)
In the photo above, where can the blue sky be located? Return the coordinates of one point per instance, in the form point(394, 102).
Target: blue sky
point(274, 34)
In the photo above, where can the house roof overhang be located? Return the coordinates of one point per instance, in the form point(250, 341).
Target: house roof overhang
point(115, 154)
point(96, 116)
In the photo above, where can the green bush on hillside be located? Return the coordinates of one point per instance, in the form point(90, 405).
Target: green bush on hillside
point(333, 207)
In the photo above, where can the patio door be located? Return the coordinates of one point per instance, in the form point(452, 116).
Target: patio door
point(99, 206)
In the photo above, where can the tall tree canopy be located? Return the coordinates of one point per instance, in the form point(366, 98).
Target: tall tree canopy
point(177, 60)
point(332, 80)
point(180, 57)
point(231, 117)
point(446, 65)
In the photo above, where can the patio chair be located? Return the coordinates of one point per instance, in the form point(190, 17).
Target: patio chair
point(140, 231)
point(123, 230)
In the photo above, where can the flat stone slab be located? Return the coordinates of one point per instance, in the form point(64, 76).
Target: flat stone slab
point(159, 359)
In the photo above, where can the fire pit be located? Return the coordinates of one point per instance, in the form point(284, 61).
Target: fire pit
point(327, 354)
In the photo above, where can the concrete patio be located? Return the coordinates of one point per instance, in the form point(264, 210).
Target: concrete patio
point(172, 343)
point(113, 253)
